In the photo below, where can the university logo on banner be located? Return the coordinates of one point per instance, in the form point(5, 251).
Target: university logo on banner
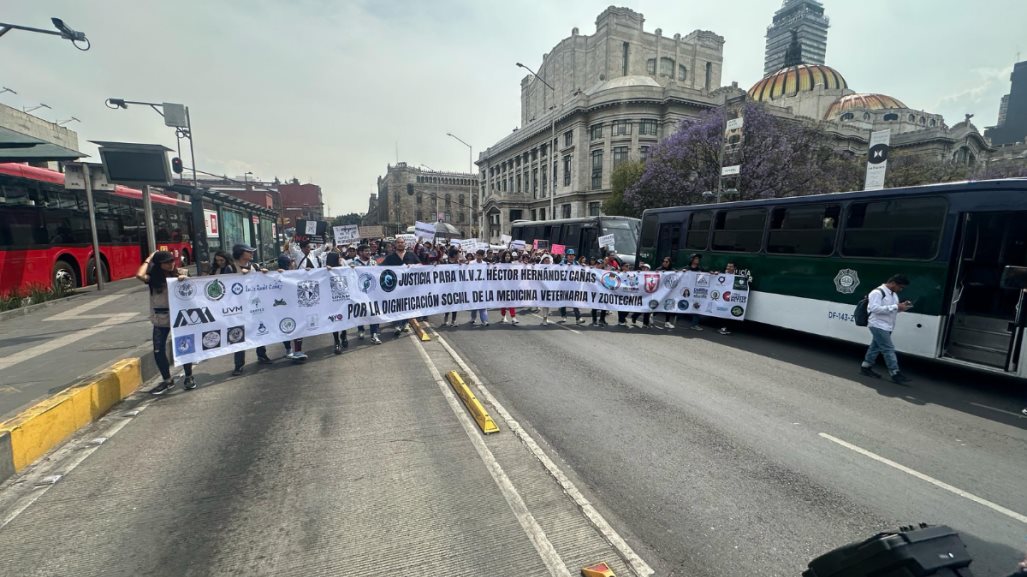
point(214, 290)
point(187, 317)
point(652, 282)
point(308, 292)
point(340, 288)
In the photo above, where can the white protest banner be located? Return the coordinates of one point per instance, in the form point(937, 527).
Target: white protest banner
point(518, 245)
point(425, 230)
point(505, 239)
point(469, 245)
point(311, 229)
point(213, 316)
point(606, 240)
point(455, 242)
point(346, 233)
point(410, 238)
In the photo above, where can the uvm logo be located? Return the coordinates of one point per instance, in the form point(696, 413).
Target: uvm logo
point(388, 280)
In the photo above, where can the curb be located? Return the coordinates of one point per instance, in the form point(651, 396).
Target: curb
point(48, 423)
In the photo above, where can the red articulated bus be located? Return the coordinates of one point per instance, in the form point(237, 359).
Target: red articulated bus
point(45, 239)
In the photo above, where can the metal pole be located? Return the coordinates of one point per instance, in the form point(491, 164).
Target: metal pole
point(470, 195)
point(92, 227)
point(151, 237)
point(192, 151)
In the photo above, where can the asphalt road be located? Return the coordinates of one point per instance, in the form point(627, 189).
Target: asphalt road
point(723, 455)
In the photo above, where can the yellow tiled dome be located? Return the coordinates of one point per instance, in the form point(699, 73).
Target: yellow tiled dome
point(795, 79)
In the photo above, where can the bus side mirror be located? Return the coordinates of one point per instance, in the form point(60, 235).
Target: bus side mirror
point(1014, 277)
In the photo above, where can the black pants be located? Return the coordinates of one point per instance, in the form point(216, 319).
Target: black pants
point(599, 316)
point(577, 313)
point(645, 318)
point(160, 353)
point(339, 336)
point(240, 356)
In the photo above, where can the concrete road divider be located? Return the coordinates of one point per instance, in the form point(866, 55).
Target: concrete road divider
point(38, 429)
point(481, 416)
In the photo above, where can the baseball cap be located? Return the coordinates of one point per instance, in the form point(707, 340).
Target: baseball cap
point(238, 249)
point(570, 251)
point(514, 254)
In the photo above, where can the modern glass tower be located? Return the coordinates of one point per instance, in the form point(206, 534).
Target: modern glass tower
point(805, 18)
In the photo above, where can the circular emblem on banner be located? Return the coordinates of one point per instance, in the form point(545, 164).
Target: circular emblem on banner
point(388, 280)
point(846, 281)
point(214, 290)
point(366, 281)
point(211, 339)
point(726, 296)
point(185, 290)
point(236, 335)
point(715, 295)
point(668, 305)
point(737, 311)
point(611, 281)
point(236, 288)
point(670, 280)
point(287, 325)
point(654, 304)
point(878, 154)
point(683, 305)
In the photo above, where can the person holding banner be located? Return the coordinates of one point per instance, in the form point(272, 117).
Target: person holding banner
point(333, 259)
point(508, 258)
point(364, 258)
point(221, 262)
point(155, 272)
point(306, 257)
point(694, 265)
point(401, 257)
point(646, 317)
point(667, 265)
point(242, 254)
point(479, 259)
point(599, 315)
point(571, 260)
point(546, 259)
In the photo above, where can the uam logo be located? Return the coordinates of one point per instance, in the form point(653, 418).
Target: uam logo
point(214, 290)
point(340, 288)
point(308, 292)
point(187, 317)
point(185, 290)
point(652, 282)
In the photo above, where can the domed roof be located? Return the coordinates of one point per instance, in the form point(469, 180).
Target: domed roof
point(862, 102)
point(795, 79)
point(623, 81)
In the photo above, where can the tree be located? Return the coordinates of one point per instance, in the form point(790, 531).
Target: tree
point(623, 178)
point(351, 218)
point(781, 157)
point(918, 169)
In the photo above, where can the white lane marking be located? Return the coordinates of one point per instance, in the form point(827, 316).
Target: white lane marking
point(77, 311)
point(537, 536)
point(1020, 415)
point(940, 484)
point(637, 563)
point(557, 324)
point(64, 341)
point(58, 463)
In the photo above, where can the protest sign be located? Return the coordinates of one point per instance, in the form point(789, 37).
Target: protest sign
point(558, 249)
point(345, 234)
point(425, 230)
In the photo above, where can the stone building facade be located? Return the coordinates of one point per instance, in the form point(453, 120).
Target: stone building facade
point(614, 95)
point(407, 194)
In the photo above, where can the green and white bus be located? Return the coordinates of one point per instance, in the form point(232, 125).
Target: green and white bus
point(813, 258)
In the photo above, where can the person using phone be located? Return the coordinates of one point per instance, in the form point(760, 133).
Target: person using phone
point(884, 307)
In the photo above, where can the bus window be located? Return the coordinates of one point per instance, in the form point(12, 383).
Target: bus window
point(572, 235)
point(807, 230)
point(902, 228)
point(625, 235)
point(670, 241)
point(698, 230)
point(739, 230)
point(650, 225)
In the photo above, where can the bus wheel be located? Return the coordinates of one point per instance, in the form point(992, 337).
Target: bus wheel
point(184, 259)
point(64, 276)
point(91, 272)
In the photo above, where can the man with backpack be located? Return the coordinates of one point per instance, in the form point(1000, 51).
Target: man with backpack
point(882, 308)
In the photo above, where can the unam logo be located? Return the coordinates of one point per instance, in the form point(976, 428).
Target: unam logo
point(340, 288)
point(308, 292)
point(185, 290)
point(388, 280)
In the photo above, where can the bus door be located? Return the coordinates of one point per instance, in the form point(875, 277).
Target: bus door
point(668, 241)
point(589, 241)
point(985, 324)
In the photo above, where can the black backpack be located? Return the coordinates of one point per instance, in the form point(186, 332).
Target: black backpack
point(861, 314)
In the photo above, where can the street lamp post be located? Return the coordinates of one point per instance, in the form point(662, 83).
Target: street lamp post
point(552, 141)
point(63, 30)
point(470, 187)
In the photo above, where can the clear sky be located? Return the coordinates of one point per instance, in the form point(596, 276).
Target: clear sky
point(327, 90)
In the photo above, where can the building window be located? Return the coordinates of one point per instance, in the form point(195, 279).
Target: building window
point(650, 66)
point(911, 118)
point(682, 72)
point(624, 60)
point(620, 155)
point(891, 117)
point(923, 120)
point(534, 214)
point(542, 214)
point(647, 127)
point(709, 75)
point(567, 170)
point(643, 153)
point(597, 169)
point(595, 208)
point(534, 182)
point(419, 199)
point(621, 127)
point(565, 210)
point(933, 122)
point(847, 116)
point(518, 189)
point(905, 228)
point(596, 131)
point(568, 138)
point(542, 150)
point(534, 154)
point(866, 116)
point(420, 215)
point(555, 165)
point(544, 180)
point(667, 67)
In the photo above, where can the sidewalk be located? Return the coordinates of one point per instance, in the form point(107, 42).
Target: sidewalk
point(48, 349)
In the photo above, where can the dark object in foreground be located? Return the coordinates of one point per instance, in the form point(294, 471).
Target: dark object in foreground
point(906, 552)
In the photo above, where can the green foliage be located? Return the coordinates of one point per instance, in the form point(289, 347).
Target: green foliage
point(916, 170)
point(623, 178)
point(345, 219)
point(35, 293)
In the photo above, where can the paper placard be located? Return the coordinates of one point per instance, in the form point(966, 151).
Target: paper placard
point(518, 244)
point(454, 242)
point(346, 233)
point(482, 246)
point(558, 249)
point(424, 230)
point(505, 239)
point(469, 244)
point(311, 228)
point(606, 240)
point(410, 238)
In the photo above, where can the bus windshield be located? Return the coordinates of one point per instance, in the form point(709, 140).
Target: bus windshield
point(624, 234)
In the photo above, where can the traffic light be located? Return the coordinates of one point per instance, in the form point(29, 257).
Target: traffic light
point(176, 165)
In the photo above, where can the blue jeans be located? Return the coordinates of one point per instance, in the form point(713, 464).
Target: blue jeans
point(483, 313)
point(881, 344)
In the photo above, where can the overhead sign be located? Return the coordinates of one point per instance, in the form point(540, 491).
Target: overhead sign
point(730, 170)
point(877, 159)
point(424, 230)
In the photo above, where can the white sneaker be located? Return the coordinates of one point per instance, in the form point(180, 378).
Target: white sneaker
point(360, 335)
point(290, 355)
point(375, 339)
point(472, 323)
point(724, 331)
point(545, 320)
point(562, 321)
point(503, 321)
point(622, 324)
point(515, 321)
point(697, 328)
point(299, 356)
point(668, 325)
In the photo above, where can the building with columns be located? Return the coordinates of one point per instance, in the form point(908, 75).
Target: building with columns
point(610, 98)
point(407, 194)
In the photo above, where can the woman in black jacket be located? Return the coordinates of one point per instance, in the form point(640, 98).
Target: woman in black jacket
point(155, 272)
